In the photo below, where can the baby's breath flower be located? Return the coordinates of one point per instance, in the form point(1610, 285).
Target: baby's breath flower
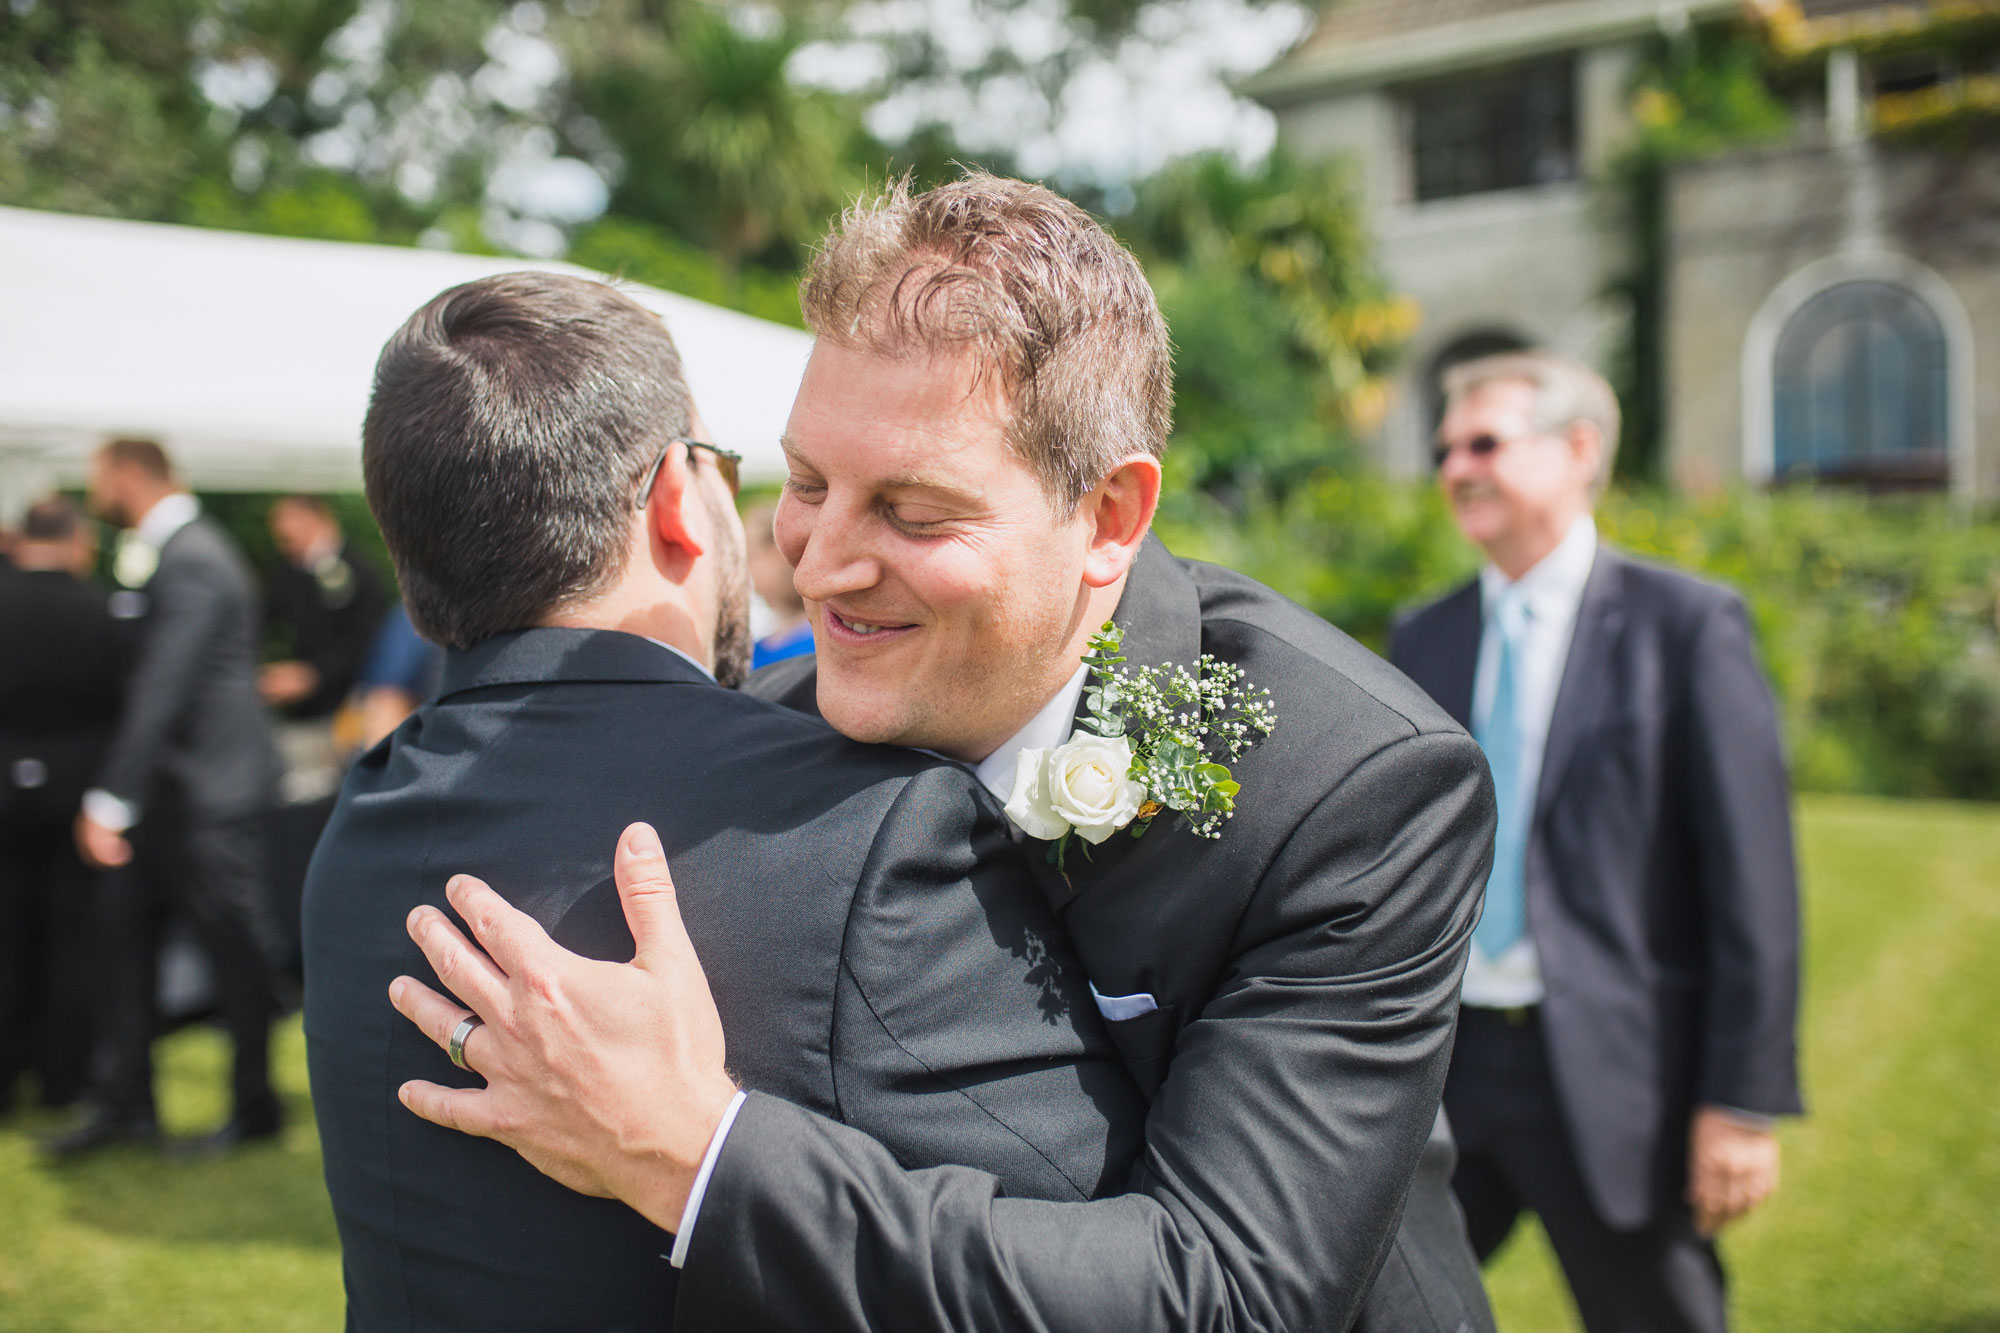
point(1172, 715)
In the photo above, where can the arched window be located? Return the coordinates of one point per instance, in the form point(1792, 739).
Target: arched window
point(1859, 390)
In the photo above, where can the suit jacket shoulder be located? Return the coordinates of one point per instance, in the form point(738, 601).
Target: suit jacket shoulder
point(791, 684)
point(1682, 599)
point(1309, 655)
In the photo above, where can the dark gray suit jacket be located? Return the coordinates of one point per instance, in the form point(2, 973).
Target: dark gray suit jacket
point(1661, 892)
point(193, 720)
point(878, 958)
point(1306, 967)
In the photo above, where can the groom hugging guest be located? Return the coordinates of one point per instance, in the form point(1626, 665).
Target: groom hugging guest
point(974, 464)
point(557, 522)
point(1627, 1037)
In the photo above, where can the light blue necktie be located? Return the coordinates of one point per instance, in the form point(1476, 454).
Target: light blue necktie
point(1505, 916)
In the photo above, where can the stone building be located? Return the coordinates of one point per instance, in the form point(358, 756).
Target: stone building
point(1830, 305)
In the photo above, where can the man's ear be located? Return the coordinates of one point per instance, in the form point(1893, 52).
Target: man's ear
point(1586, 445)
point(1120, 512)
point(668, 511)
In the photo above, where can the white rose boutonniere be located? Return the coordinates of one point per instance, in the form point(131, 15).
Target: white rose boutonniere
point(1146, 751)
point(1090, 787)
point(1030, 807)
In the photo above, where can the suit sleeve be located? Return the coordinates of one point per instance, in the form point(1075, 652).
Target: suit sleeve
point(186, 617)
point(1277, 1153)
point(1740, 806)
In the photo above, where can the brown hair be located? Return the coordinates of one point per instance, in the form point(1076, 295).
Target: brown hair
point(1566, 392)
point(54, 519)
point(511, 420)
point(1034, 288)
point(145, 455)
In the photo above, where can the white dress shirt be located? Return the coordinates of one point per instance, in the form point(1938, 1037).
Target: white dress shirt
point(1551, 592)
point(1045, 730)
point(167, 516)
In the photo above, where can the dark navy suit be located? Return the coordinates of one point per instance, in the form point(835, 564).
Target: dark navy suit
point(878, 956)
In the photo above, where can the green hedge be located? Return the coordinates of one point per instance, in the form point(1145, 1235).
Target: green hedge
point(1876, 618)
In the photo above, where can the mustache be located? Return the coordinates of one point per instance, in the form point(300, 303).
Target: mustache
point(1465, 491)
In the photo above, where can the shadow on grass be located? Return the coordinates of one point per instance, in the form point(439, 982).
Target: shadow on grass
point(262, 1193)
point(258, 1195)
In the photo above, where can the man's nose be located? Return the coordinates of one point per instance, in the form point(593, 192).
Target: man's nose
point(837, 557)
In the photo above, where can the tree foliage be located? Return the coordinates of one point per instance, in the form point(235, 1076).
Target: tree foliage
point(1284, 326)
point(351, 118)
point(715, 142)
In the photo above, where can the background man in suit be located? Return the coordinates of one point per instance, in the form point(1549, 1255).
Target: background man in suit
point(188, 777)
point(325, 603)
point(515, 422)
point(327, 600)
point(63, 657)
point(1630, 1004)
point(974, 466)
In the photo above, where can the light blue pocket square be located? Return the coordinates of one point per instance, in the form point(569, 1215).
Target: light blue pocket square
point(1118, 1008)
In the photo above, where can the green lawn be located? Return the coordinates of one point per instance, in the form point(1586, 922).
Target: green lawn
point(1889, 1218)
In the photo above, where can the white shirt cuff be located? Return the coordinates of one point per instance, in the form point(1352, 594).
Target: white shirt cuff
point(107, 810)
point(693, 1210)
point(1745, 1119)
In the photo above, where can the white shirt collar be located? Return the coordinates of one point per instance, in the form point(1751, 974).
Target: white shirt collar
point(1050, 727)
point(1554, 585)
point(168, 516)
point(680, 654)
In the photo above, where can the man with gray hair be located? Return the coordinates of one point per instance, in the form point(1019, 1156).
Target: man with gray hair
point(1627, 1034)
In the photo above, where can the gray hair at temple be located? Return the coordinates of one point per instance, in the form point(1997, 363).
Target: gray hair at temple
point(1566, 392)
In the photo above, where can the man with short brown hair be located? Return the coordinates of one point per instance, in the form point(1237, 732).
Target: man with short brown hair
point(538, 471)
point(974, 462)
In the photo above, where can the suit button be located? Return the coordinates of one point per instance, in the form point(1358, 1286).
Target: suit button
point(29, 773)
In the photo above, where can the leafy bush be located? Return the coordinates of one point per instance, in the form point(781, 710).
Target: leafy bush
point(1878, 620)
point(1283, 325)
point(653, 255)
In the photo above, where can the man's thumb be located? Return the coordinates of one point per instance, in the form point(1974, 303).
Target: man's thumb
point(646, 888)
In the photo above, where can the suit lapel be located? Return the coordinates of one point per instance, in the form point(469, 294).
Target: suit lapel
point(1160, 612)
point(1600, 618)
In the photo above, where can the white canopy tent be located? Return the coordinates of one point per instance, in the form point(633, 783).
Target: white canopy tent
point(250, 357)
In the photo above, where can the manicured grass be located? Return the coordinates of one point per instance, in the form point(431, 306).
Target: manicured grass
point(129, 1239)
point(1888, 1221)
point(1888, 1216)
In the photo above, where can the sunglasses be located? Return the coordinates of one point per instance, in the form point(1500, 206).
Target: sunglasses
point(1479, 446)
point(730, 465)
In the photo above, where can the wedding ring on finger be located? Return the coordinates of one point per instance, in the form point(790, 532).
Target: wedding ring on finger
point(455, 1048)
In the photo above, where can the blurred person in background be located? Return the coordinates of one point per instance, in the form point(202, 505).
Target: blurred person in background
point(785, 632)
point(63, 656)
point(178, 812)
point(1627, 1036)
point(326, 603)
point(402, 670)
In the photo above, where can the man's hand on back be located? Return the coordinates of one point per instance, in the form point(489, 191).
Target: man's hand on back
point(606, 1076)
point(101, 848)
